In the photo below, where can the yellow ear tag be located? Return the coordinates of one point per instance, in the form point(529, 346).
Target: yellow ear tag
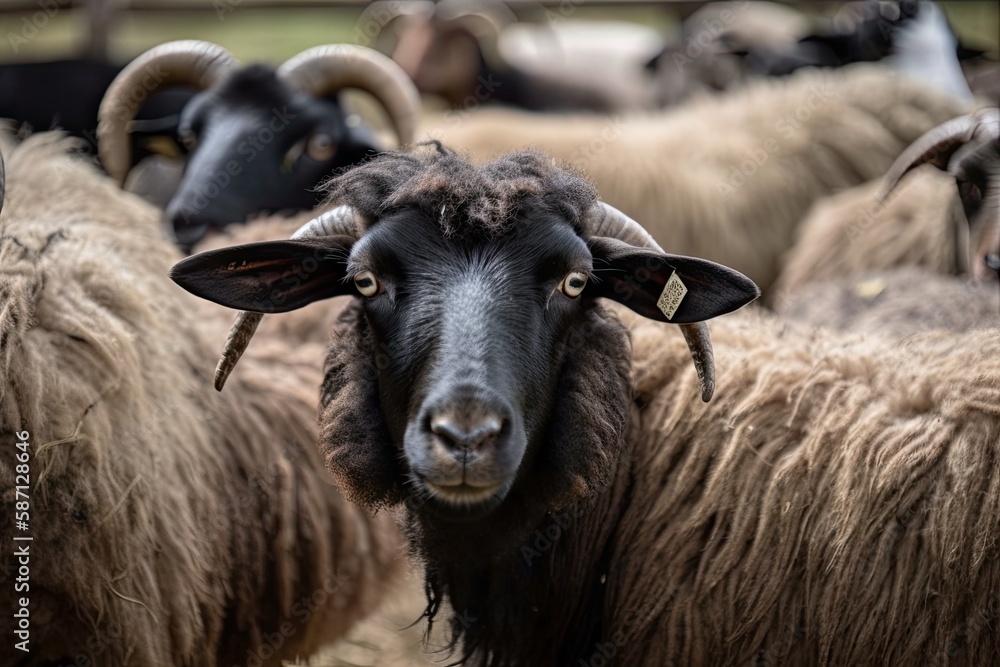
point(869, 289)
point(673, 293)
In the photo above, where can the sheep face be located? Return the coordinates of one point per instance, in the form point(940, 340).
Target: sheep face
point(477, 374)
point(474, 338)
point(977, 173)
point(968, 148)
point(256, 144)
point(259, 139)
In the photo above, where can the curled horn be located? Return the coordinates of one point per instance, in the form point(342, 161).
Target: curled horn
point(605, 220)
point(185, 62)
point(949, 147)
point(937, 146)
point(342, 221)
point(323, 70)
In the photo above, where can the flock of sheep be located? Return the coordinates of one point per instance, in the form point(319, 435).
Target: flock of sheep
point(497, 406)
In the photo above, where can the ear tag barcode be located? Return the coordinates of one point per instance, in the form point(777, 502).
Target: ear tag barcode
point(673, 293)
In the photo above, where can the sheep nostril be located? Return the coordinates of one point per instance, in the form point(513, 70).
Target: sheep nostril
point(993, 261)
point(188, 235)
point(453, 435)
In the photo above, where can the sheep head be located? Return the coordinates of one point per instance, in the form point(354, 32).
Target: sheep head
point(443, 46)
point(477, 367)
point(968, 148)
point(258, 139)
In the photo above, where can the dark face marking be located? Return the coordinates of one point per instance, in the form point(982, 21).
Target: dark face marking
point(471, 331)
point(258, 152)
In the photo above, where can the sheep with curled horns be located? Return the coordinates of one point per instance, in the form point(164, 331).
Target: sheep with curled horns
point(259, 139)
point(967, 148)
point(911, 218)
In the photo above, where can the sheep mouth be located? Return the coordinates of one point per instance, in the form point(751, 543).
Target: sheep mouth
point(462, 502)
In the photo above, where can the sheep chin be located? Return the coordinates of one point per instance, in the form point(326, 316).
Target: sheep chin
point(461, 503)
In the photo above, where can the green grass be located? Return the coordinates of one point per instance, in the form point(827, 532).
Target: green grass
point(250, 33)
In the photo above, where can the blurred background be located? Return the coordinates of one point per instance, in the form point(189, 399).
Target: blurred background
point(57, 57)
point(273, 30)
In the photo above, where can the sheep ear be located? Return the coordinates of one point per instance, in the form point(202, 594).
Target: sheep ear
point(667, 288)
point(268, 277)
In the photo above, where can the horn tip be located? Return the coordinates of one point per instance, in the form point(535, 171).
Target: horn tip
point(222, 371)
point(707, 391)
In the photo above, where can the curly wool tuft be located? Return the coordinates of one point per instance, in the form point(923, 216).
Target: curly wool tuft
point(464, 198)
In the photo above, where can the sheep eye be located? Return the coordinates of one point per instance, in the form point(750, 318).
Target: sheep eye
point(321, 147)
point(188, 139)
point(572, 285)
point(367, 284)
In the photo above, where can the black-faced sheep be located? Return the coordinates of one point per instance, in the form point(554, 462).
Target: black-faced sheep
point(947, 223)
point(259, 139)
point(857, 32)
point(967, 149)
point(727, 44)
point(171, 525)
point(728, 178)
point(834, 504)
point(913, 35)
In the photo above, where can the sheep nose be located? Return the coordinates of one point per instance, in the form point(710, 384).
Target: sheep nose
point(188, 234)
point(993, 261)
point(465, 434)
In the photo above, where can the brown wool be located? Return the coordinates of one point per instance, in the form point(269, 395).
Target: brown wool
point(188, 523)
